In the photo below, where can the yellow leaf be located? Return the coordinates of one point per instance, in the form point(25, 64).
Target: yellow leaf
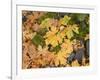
point(75, 28)
point(45, 23)
point(67, 46)
point(70, 29)
point(86, 37)
point(66, 49)
point(69, 33)
point(65, 20)
point(60, 58)
point(60, 36)
point(75, 63)
point(51, 38)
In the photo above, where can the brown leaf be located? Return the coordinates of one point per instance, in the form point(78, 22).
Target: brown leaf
point(36, 27)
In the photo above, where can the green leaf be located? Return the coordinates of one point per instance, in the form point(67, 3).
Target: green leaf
point(42, 31)
point(81, 17)
point(38, 40)
point(56, 49)
point(47, 15)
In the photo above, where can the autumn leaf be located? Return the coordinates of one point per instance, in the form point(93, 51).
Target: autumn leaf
point(64, 20)
point(45, 23)
point(75, 28)
point(70, 30)
point(67, 46)
point(51, 38)
point(86, 37)
point(60, 58)
point(66, 49)
point(60, 36)
point(28, 35)
point(48, 23)
point(69, 33)
point(75, 63)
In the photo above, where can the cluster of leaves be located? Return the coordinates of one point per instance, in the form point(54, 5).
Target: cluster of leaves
point(83, 21)
point(76, 18)
point(54, 36)
point(65, 35)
